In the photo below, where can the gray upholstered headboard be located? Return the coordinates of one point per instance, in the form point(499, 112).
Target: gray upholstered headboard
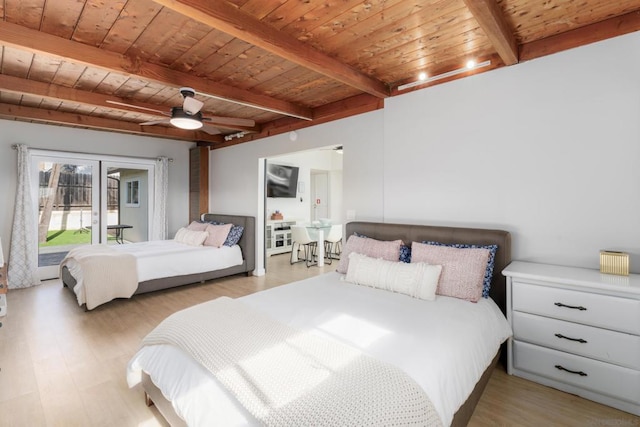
point(248, 240)
point(475, 236)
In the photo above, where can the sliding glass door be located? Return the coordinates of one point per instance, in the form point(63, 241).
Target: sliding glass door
point(83, 201)
point(129, 189)
point(68, 200)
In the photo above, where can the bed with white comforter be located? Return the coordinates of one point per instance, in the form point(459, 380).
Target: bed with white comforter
point(100, 273)
point(152, 260)
point(448, 346)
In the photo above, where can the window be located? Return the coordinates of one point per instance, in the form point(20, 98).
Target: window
point(132, 195)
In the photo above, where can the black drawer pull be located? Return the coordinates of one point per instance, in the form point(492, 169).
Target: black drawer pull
point(580, 340)
point(578, 307)
point(562, 368)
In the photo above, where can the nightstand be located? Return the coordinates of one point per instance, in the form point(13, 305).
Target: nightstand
point(576, 330)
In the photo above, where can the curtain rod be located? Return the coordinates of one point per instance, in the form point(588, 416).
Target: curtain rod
point(15, 147)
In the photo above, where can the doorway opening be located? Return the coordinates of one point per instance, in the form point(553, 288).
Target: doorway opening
point(316, 194)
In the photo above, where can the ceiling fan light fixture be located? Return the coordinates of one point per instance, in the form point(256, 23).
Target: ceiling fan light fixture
point(185, 123)
point(182, 120)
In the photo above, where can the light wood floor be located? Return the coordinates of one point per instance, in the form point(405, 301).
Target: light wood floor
point(61, 366)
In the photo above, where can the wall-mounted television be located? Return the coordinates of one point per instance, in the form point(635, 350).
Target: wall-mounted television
point(282, 181)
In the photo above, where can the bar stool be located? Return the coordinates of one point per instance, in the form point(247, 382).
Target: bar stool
point(300, 236)
point(332, 242)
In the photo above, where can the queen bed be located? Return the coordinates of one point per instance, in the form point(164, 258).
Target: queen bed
point(157, 265)
point(446, 346)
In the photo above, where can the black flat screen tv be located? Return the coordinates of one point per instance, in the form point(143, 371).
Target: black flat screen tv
point(282, 181)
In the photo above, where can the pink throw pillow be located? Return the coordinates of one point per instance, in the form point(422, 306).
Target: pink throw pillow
point(217, 234)
point(389, 250)
point(462, 268)
point(197, 226)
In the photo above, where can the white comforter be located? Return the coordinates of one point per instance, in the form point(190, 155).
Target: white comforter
point(444, 345)
point(168, 258)
point(154, 260)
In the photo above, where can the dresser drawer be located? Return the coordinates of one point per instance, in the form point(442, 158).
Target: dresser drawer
point(619, 314)
point(602, 344)
point(615, 381)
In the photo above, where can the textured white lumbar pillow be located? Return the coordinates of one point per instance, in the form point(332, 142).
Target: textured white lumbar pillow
point(419, 280)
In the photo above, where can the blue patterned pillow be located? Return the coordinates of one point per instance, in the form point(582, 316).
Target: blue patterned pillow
point(234, 234)
point(405, 251)
point(405, 254)
point(488, 273)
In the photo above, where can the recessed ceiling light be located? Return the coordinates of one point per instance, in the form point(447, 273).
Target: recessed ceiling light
point(422, 76)
point(470, 65)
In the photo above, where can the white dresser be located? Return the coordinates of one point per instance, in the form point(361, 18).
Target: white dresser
point(576, 330)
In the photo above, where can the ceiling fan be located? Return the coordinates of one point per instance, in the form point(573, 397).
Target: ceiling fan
point(188, 116)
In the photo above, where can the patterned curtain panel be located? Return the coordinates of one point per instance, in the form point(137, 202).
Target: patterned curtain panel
point(159, 226)
point(23, 259)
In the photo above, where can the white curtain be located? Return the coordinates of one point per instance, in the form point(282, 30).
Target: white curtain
point(23, 259)
point(159, 226)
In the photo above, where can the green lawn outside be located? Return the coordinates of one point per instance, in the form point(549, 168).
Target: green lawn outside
point(69, 237)
point(66, 237)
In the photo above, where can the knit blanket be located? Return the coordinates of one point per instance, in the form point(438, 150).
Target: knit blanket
point(102, 274)
point(289, 377)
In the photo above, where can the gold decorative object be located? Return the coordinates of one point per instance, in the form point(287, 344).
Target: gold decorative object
point(613, 262)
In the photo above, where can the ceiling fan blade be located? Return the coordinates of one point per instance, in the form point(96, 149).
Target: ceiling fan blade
point(211, 130)
point(191, 105)
point(155, 122)
point(164, 113)
point(231, 121)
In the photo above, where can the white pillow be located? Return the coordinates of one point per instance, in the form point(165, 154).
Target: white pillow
point(190, 237)
point(418, 280)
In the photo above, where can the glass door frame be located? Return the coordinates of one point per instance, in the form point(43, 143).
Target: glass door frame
point(37, 157)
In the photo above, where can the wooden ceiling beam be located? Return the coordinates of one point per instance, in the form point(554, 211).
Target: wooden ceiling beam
point(492, 21)
point(11, 111)
point(227, 18)
point(612, 27)
point(336, 110)
point(41, 43)
point(61, 93)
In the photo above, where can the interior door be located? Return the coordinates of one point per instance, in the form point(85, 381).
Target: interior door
point(67, 193)
point(319, 195)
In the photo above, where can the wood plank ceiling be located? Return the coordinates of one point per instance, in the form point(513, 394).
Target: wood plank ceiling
point(283, 64)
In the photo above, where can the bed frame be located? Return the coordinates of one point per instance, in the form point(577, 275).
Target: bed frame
point(408, 234)
point(246, 243)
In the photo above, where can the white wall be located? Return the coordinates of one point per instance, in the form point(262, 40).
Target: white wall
point(548, 149)
point(95, 142)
